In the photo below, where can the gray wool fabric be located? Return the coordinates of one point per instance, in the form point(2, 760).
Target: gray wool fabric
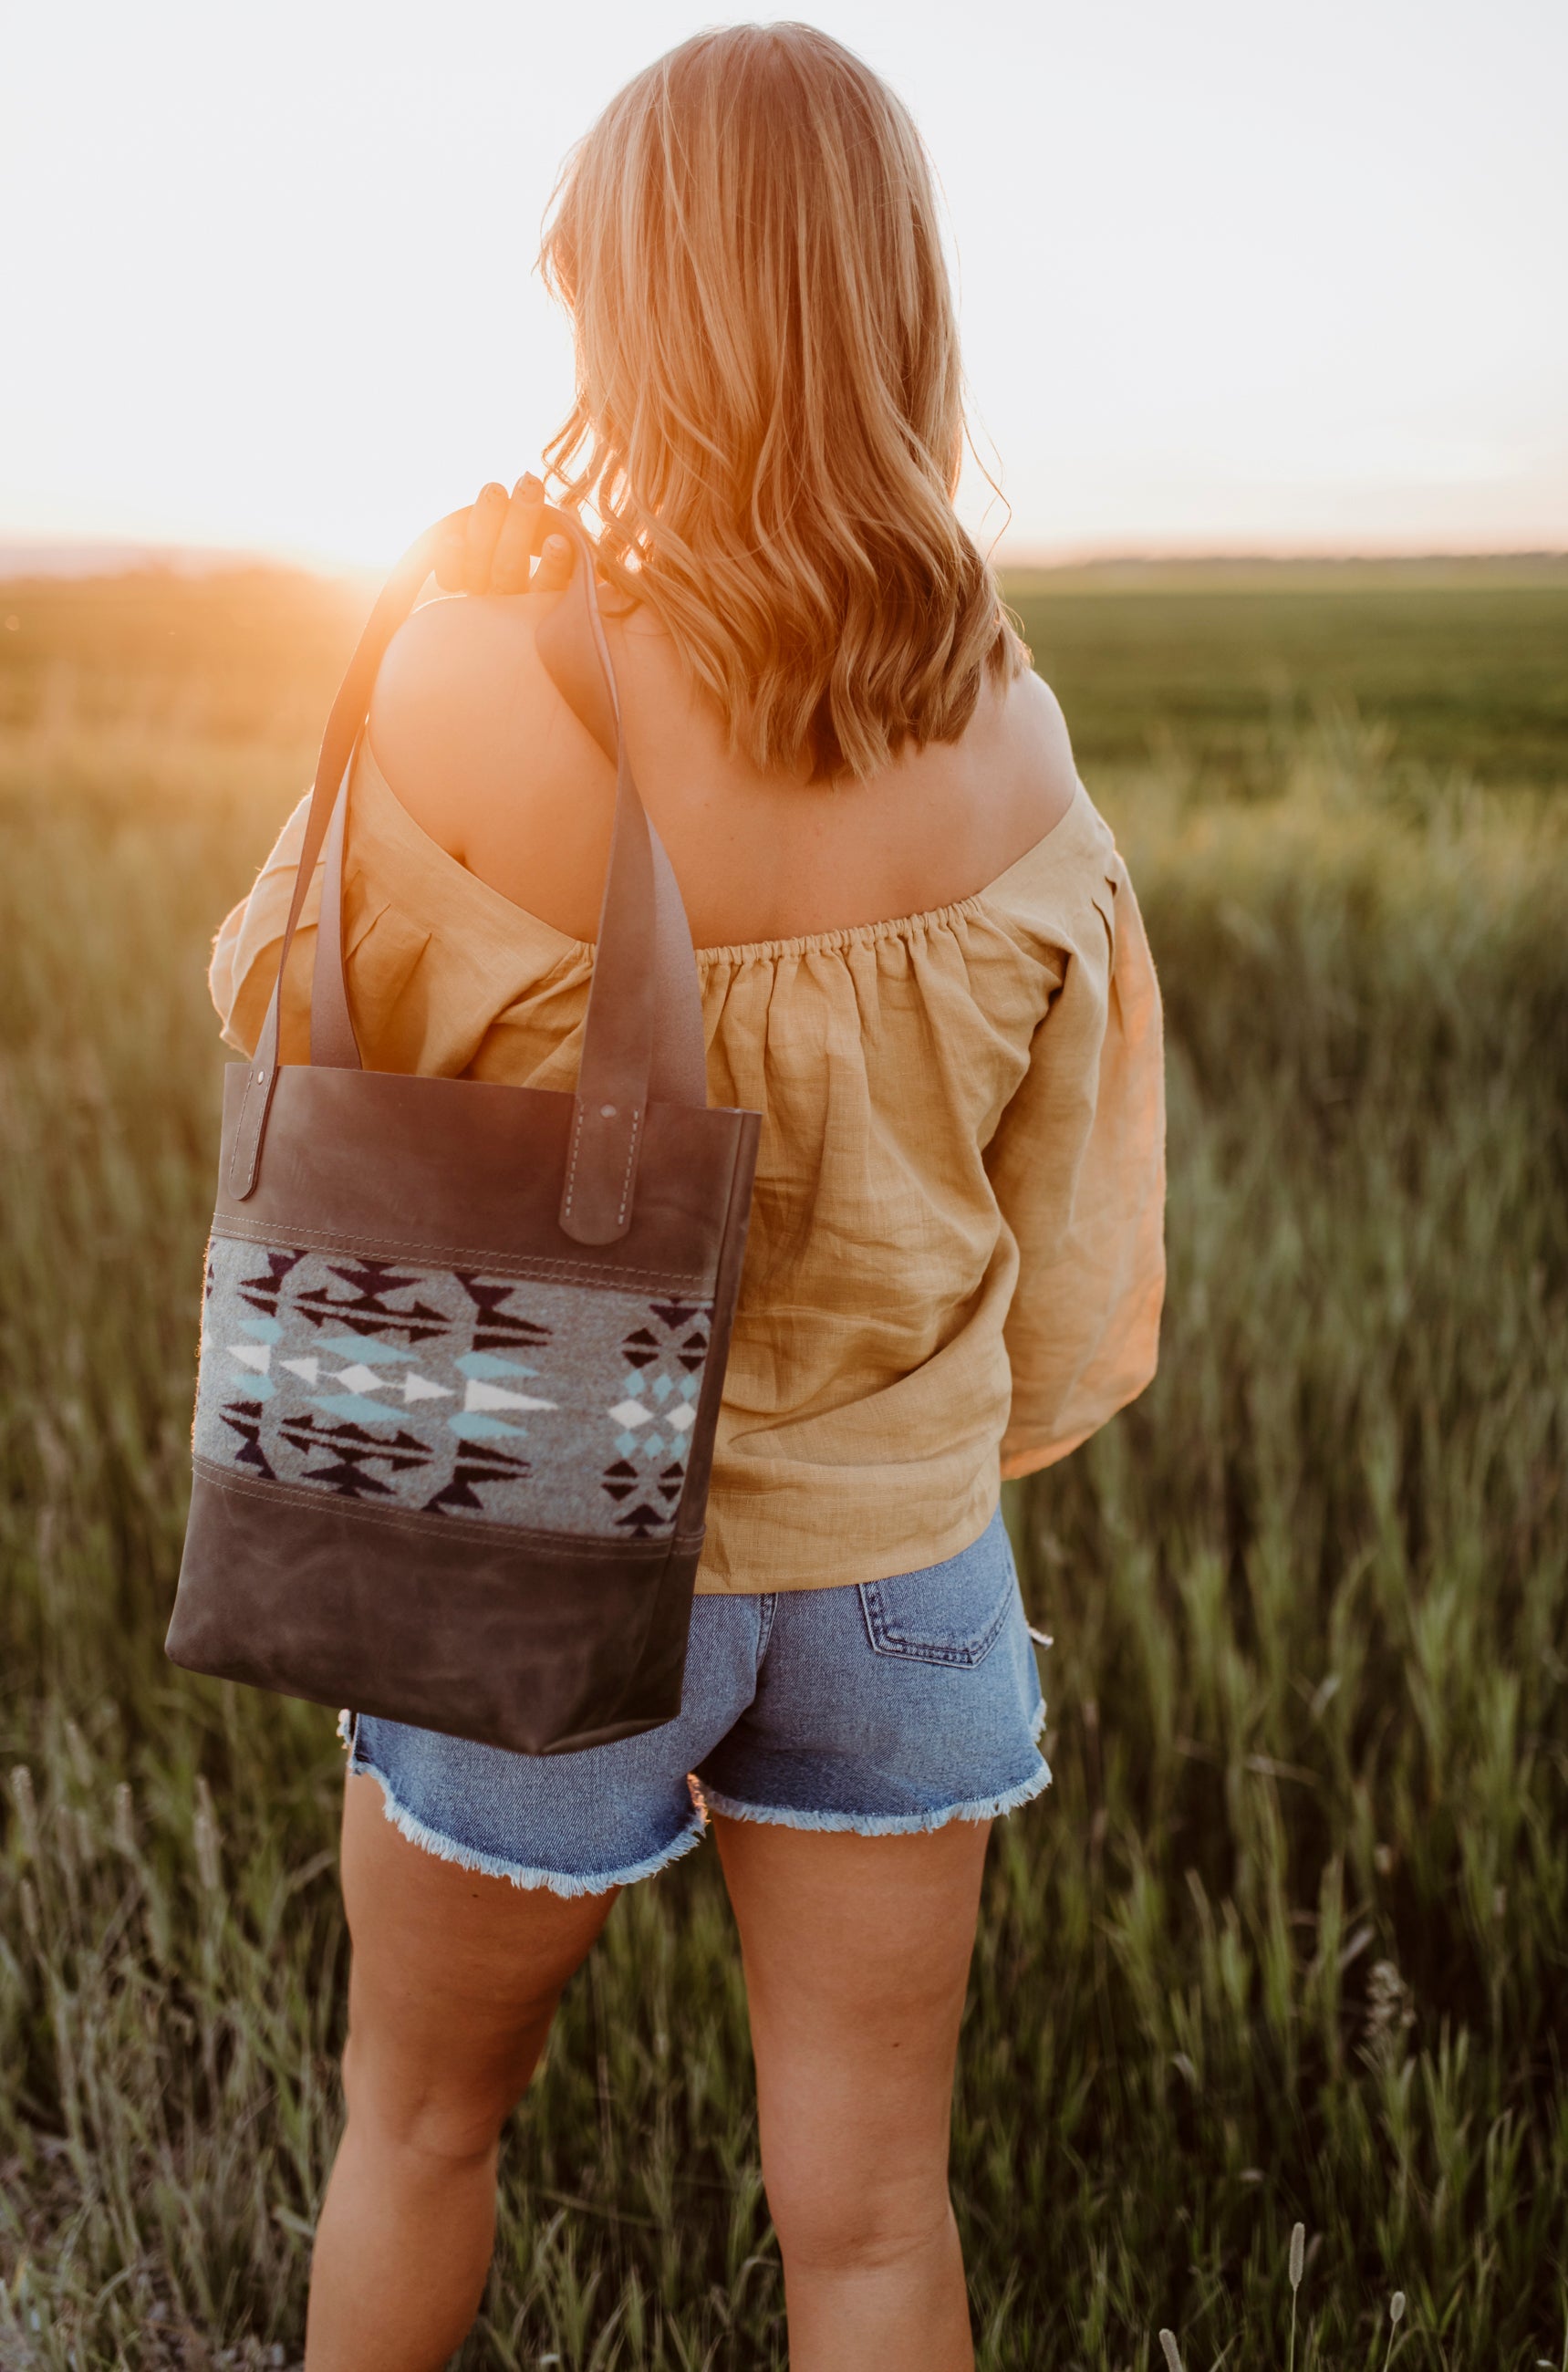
point(496, 1399)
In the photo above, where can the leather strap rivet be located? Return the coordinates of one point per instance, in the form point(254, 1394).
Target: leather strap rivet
point(607, 1111)
point(259, 1076)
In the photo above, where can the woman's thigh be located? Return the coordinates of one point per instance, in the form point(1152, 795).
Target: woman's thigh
point(857, 1953)
point(454, 1981)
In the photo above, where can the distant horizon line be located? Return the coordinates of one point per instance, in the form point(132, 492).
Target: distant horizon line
point(24, 556)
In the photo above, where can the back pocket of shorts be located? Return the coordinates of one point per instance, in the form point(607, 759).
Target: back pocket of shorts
point(952, 1613)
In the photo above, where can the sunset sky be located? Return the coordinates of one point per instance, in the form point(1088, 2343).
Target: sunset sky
point(1237, 275)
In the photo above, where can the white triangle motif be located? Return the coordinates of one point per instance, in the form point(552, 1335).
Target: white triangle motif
point(309, 1368)
point(415, 1387)
point(251, 1354)
point(490, 1396)
point(362, 1378)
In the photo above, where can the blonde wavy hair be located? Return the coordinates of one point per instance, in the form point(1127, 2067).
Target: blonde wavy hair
point(768, 418)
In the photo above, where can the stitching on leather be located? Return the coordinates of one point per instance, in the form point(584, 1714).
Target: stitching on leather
point(572, 1165)
point(449, 1527)
point(626, 1182)
point(274, 1231)
point(243, 1157)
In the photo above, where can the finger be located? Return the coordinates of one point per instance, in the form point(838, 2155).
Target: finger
point(555, 571)
point(479, 548)
point(449, 550)
point(519, 535)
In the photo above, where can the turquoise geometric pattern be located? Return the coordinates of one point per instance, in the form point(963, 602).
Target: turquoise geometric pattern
point(501, 1399)
point(665, 1356)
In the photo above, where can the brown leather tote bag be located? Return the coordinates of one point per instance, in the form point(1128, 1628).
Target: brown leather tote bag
point(463, 1343)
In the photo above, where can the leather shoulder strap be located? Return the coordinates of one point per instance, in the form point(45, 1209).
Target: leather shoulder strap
point(348, 714)
point(574, 649)
point(584, 675)
point(644, 1035)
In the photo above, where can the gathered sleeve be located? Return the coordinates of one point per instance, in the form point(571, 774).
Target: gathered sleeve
point(244, 954)
point(1077, 1166)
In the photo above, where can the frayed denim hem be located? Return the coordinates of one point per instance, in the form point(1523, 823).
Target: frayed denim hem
point(566, 1883)
point(882, 1824)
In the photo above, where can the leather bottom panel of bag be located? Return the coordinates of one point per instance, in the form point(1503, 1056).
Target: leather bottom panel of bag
point(469, 1629)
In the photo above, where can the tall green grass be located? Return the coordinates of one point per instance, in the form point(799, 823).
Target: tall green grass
point(1288, 1941)
point(1463, 658)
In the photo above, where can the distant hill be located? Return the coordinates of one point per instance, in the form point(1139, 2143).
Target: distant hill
point(1259, 573)
point(234, 649)
point(65, 557)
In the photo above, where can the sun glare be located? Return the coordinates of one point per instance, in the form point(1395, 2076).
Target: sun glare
point(1230, 279)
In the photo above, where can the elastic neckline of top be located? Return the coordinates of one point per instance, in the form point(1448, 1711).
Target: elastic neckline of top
point(740, 951)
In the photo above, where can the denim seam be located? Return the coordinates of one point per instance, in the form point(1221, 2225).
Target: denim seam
point(882, 1824)
point(770, 1607)
point(566, 1883)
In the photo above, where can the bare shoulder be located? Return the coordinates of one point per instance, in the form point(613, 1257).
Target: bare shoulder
point(1027, 752)
point(464, 718)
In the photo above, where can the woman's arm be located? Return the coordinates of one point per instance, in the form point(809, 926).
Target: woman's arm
point(244, 954)
point(440, 664)
point(1079, 1168)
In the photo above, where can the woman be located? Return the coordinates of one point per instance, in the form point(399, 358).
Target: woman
point(922, 962)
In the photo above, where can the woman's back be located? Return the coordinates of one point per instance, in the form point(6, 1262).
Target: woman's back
point(479, 746)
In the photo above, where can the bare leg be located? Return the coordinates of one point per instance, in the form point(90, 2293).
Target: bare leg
point(857, 1953)
point(454, 1983)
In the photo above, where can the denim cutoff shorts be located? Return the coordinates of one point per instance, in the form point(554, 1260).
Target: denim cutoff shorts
point(882, 1707)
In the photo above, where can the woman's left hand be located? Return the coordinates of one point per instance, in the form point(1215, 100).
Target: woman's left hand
point(489, 547)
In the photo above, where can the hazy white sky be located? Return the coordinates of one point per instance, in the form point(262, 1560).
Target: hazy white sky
point(1236, 273)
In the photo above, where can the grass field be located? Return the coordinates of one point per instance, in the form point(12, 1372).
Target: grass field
point(1466, 668)
point(1288, 1941)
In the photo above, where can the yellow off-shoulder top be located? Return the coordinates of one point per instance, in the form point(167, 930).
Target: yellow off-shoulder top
point(956, 1263)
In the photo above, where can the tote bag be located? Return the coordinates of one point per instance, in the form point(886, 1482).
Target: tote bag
point(463, 1345)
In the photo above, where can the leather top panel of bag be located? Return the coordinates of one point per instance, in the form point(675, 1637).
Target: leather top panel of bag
point(352, 1156)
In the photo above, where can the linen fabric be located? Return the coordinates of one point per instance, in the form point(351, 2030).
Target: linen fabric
point(885, 1709)
point(956, 1236)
